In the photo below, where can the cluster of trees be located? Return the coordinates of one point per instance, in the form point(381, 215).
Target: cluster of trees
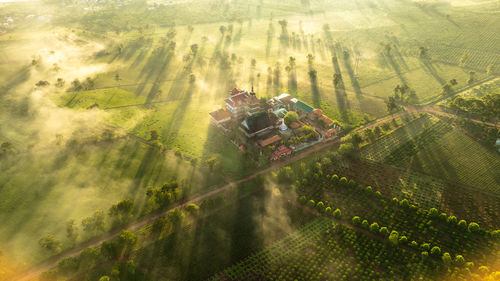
point(486, 107)
point(321, 207)
point(6, 148)
point(164, 195)
point(85, 85)
point(402, 95)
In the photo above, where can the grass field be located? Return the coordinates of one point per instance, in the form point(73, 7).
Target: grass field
point(80, 180)
point(147, 75)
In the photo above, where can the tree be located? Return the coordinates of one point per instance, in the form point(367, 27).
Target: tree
point(337, 214)
point(192, 209)
point(459, 260)
point(42, 83)
point(436, 251)
point(365, 224)
point(328, 210)
point(71, 230)
point(222, 30)
point(302, 200)
point(433, 212)
point(446, 259)
point(158, 226)
point(473, 227)
point(462, 224)
point(94, 222)
point(403, 240)
point(49, 243)
point(121, 211)
point(60, 82)
point(290, 117)
point(346, 149)
point(374, 227)
point(471, 77)
point(384, 231)
point(452, 220)
point(391, 105)
point(127, 240)
point(320, 207)
point(356, 220)
point(104, 278)
point(394, 237)
point(311, 203)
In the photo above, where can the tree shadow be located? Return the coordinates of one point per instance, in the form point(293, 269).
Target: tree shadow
point(17, 79)
point(430, 69)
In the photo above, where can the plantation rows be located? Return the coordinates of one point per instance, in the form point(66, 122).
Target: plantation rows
point(424, 190)
point(464, 160)
point(478, 207)
point(415, 223)
point(323, 250)
point(380, 149)
point(405, 151)
point(476, 59)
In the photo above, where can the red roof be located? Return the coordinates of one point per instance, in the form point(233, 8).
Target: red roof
point(221, 114)
point(295, 125)
point(325, 119)
point(282, 150)
point(268, 141)
point(235, 91)
point(239, 98)
point(330, 132)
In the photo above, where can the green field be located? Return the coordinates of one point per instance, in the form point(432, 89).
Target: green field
point(149, 73)
point(80, 180)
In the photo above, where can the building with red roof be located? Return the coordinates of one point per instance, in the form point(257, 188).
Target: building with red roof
point(241, 103)
point(282, 151)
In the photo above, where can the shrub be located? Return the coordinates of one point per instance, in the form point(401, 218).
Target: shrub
point(352, 183)
point(384, 231)
point(425, 246)
point(484, 270)
point(446, 259)
point(424, 255)
point(337, 214)
point(462, 224)
point(356, 220)
point(414, 244)
point(369, 189)
point(335, 179)
point(403, 240)
point(433, 212)
point(473, 227)
point(404, 203)
point(365, 224)
point(459, 260)
point(395, 200)
point(394, 237)
point(320, 207)
point(452, 220)
point(311, 203)
point(374, 227)
point(302, 200)
point(436, 251)
point(495, 234)
point(343, 181)
point(328, 210)
point(443, 216)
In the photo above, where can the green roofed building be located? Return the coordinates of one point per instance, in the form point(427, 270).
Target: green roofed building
point(280, 112)
point(303, 108)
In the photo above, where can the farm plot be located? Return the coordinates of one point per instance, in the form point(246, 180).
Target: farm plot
point(382, 148)
point(405, 151)
point(324, 250)
point(459, 159)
